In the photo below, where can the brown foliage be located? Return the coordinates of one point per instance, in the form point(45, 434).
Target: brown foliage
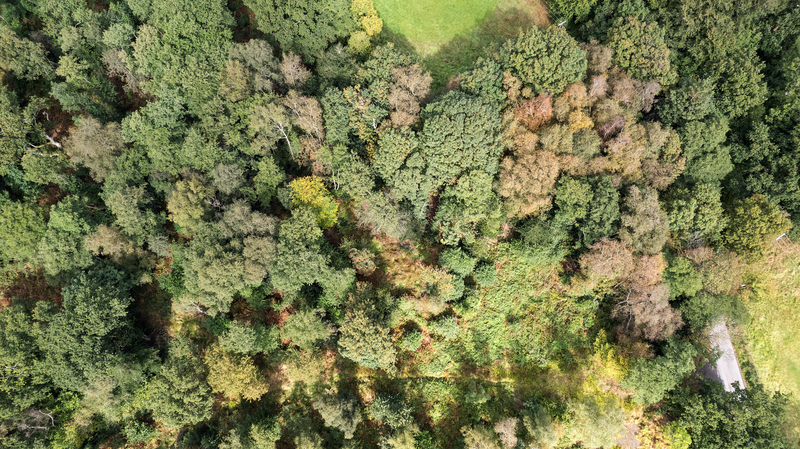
point(535, 113)
point(598, 86)
point(306, 113)
point(723, 273)
point(512, 86)
point(506, 429)
point(412, 79)
point(598, 57)
point(646, 311)
point(576, 95)
point(409, 86)
point(294, 72)
point(648, 270)
point(527, 181)
point(611, 128)
point(609, 259)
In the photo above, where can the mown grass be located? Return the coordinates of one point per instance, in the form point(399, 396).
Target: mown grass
point(773, 335)
point(433, 20)
point(449, 35)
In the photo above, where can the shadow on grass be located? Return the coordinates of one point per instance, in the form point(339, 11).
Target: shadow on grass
point(458, 54)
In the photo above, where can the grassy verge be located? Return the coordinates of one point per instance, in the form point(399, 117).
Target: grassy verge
point(773, 336)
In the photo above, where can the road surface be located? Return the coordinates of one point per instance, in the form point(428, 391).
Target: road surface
point(726, 370)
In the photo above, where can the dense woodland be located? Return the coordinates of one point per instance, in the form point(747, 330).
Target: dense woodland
point(254, 225)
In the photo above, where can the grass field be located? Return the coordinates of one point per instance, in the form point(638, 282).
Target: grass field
point(773, 336)
point(449, 35)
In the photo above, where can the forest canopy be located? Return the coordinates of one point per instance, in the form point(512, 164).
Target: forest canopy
point(263, 224)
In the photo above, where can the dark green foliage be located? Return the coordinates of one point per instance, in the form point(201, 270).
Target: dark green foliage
point(302, 26)
point(651, 379)
point(485, 275)
point(539, 423)
point(691, 100)
point(573, 197)
point(640, 49)
point(19, 127)
point(340, 411)
point(457, 261)
point(485, 79)
point(25, 379)
point(707, 160)
point(91, 338)
point(461, 133)
point(753, 222)
point(244, 338)
point(703, 309)
point(682, 277)
point(545, 60)
point(179, 394)
point(603, 216)
point(717, 419)
point(21, 227)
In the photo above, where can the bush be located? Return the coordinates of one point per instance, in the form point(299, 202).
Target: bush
point(137, 432)
point(485, 275)
point(412, 340)
point(242, 338)
point(217, 325)
point(391, 411)
point(457, 261)
point(446, 327)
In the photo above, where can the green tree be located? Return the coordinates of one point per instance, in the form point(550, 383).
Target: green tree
point(340, 411)
point(19, 128)
point(603, 216)
point(91, 337)
point(234, 375)
point(683, 278)
point(25, 380)
point(480, 437)
point(707, 160)
point(651, 379)
point(546, 60)
point(22, 225)
point(179, 394)
point(61, 250)
point(461, 133)
point(641, 50)
point(539, 423)
point(305, 328)
point(457, 261)
point(247, 339)
point(364, 335)
point(644, 225)
point(596, 421)
point(737, 419)
point(753, 222)
point(304, 27)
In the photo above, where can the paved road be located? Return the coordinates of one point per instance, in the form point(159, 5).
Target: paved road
point(726, 370)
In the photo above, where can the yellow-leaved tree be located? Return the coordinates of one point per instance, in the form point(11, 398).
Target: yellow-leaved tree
point(310, 192)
